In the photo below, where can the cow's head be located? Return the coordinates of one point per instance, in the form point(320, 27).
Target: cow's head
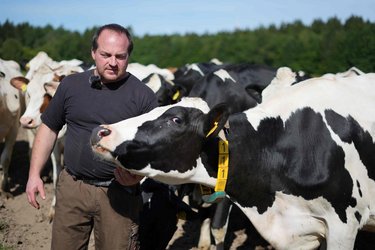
point(165, 143)
point(39, 90)
point(35, 96)
point(162, 87)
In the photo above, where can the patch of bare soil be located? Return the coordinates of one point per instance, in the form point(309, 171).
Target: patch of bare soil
point(24, 227)
point(21, 225)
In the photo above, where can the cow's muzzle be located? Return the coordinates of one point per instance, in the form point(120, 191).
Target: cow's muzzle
point(97, 134)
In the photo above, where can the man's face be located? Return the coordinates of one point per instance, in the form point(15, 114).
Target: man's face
point(111, 57)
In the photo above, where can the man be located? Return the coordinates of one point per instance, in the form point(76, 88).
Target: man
point(92, 194)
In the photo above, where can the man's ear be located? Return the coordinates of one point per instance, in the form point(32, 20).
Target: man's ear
point(93, 55)
point(216, 119)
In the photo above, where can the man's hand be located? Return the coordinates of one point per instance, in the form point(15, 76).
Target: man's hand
point(125, 178)
point(35, 186)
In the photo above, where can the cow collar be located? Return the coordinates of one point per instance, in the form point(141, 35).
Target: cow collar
point(222, 173)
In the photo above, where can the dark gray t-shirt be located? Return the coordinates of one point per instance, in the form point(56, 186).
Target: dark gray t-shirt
point(83, 108)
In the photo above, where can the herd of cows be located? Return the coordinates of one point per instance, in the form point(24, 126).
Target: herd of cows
point(300, 171)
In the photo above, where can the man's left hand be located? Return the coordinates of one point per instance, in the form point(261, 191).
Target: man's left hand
point(125, 178)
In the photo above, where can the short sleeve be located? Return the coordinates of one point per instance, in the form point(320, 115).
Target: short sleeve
point(54, 115)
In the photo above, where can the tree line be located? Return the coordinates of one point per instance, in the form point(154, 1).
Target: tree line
point(321, 47)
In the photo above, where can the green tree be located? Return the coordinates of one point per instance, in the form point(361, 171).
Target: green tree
point(11, 49)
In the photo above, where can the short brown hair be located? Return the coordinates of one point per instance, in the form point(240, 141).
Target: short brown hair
point(115, 27)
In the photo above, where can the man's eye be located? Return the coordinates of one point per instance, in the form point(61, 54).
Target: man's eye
point(122, 57)
point(177, 120)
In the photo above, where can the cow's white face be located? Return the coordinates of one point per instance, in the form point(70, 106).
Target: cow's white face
point(34, 97)
point(155, 144)
point(9, 97)
point(43, 79)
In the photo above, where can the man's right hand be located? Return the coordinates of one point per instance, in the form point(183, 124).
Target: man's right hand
point(34, 187)
point(44, 141)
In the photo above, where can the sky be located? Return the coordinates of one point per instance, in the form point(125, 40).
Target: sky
point(159, 17)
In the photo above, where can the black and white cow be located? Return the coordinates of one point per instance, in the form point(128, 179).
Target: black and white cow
point(189, 75)
point(163, 88)
point(244, 84)
point(301, 163)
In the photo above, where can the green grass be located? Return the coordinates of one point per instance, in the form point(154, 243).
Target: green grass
point(5, 247)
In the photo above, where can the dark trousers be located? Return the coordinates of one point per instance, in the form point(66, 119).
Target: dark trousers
point(112, 212)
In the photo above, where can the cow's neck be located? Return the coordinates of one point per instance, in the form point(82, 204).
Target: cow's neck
point(244, 168)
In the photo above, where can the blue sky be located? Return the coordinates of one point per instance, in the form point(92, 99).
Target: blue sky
point(180, 16)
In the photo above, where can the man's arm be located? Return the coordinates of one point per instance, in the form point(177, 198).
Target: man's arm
point(125, 178)
point(42, 147)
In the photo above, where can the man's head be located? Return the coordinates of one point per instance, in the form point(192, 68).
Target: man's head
point(111, 47)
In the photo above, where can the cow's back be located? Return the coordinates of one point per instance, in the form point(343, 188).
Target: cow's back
point(354, 96)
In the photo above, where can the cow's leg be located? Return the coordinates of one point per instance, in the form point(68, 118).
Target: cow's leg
point(5, 159)
point(220, 222)
point(30, 137)
point(56, 169)
point(51, 213)
point(205, 236)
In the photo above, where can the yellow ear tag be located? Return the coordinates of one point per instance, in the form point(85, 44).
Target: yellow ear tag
point(212, 130)
point(24, 87)
point(176, 95)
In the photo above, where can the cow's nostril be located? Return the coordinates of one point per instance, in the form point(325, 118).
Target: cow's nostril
point(98, 133)
point(104, 132)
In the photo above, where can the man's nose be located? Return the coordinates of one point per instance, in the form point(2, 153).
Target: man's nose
point(112, 61)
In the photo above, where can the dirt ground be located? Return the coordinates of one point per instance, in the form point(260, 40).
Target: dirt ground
point(22, 226)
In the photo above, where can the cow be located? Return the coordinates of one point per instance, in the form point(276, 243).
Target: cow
point(244, 84)
point(37, 61)
point(43, 58)
point(301, 164)
point(35, 90)
point(170, 89)
point(10, 110)
point(241, 82)
point(142, 71)
point(353, 71)
point(38, 91)
point(187, 76)
point(202, 67)
point(163, 88)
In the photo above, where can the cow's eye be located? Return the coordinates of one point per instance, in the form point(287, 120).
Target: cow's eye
point(176, 120)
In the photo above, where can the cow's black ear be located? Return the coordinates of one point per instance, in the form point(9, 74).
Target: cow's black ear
point(177, 92)
point(216, 119)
